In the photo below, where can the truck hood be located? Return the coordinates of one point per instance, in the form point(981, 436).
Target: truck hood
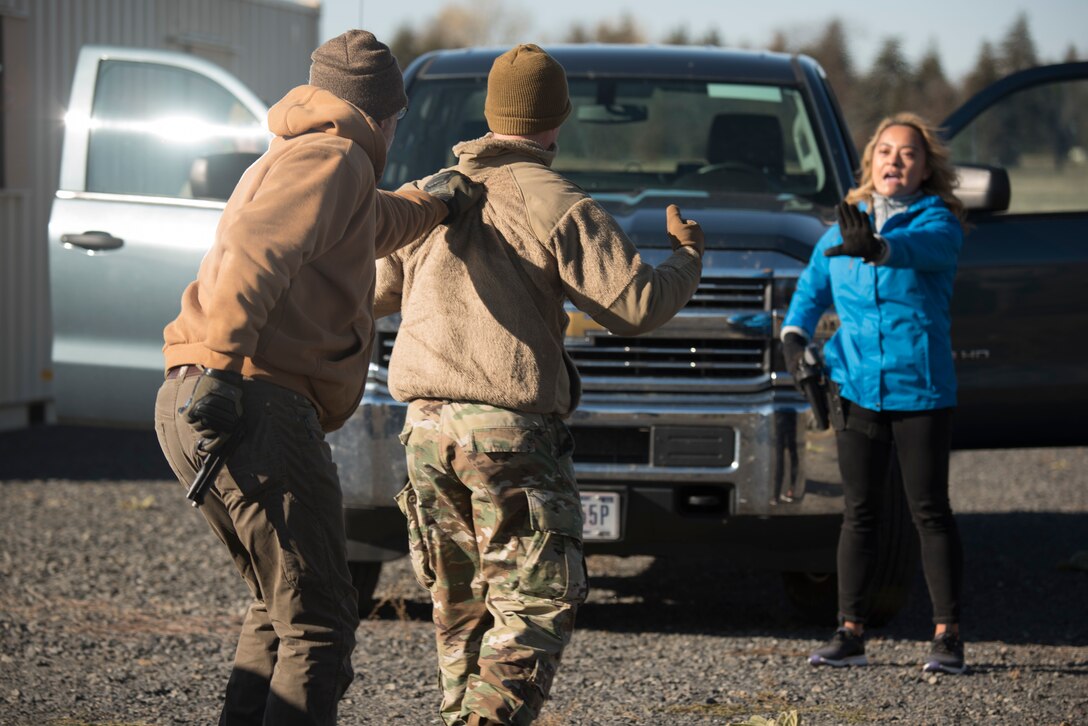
point(741, 231)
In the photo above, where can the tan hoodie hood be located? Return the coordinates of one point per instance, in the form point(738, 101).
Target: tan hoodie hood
point(285, 292)
point(308, 108)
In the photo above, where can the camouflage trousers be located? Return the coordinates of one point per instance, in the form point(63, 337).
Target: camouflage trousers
point(495, 535)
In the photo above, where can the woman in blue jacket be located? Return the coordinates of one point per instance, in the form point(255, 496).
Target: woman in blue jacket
point(888, 267)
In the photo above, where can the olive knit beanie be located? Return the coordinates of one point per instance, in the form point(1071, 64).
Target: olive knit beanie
point(526, 92)
point(359, 68)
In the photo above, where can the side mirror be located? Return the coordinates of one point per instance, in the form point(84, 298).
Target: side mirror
point(215, 176)
point(983, 188)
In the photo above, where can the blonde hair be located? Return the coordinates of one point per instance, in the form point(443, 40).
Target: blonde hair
point(942, 177)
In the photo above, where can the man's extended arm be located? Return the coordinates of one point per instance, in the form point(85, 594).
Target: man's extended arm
point(604, 275)
point(405, 215)
point(443, 197)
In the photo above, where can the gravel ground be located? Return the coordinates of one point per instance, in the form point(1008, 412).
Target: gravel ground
point(117, 606)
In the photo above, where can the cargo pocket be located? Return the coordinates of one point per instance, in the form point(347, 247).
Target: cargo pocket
point(554, 562)
point(418, 545)
point(302, 543)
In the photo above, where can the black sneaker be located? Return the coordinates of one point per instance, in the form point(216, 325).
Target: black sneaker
point(845, 649)
point(945, 655)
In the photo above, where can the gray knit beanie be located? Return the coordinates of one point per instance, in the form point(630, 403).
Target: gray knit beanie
point(359, 68)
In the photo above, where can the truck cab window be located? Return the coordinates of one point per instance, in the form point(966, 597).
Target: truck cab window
point(150, 122)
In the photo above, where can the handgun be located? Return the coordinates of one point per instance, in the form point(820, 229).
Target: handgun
point(812, 381)
point(209, 470)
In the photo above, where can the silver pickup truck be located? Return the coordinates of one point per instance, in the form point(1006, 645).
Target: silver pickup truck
point(692, 437)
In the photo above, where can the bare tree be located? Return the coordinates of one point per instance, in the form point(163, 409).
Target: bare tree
point(482, 22)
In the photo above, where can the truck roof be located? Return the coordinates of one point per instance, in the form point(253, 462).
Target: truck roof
point(636, 61)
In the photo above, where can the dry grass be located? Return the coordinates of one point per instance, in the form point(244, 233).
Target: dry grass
point(104, 618)
point(1042, 188)
point(767, 702)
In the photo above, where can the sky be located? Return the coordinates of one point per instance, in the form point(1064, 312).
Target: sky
point(956, 27)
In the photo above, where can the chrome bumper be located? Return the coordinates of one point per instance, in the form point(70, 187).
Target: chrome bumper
point(369, 457)
point(769, 429)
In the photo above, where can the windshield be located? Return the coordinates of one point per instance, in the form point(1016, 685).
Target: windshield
point(628, 137)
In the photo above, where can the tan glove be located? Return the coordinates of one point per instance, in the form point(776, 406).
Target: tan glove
point(683, 232)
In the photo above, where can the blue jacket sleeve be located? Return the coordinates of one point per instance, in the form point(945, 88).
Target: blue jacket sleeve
point(930, 243)
point(813, 294)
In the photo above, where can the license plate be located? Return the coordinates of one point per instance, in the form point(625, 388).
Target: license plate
point(601, 515)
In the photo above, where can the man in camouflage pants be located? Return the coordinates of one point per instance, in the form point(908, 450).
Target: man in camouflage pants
point(494, 518)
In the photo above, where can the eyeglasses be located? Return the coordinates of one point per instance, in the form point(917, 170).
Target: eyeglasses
point(400, 114)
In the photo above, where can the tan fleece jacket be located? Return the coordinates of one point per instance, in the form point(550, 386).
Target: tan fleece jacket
point(482, 300)
point(285, 292)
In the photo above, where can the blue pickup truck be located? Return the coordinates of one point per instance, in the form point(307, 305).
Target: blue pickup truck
point(691, 437)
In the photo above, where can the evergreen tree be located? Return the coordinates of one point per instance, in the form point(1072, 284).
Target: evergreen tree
point(625, 30)
point(1017, 48)
point(577, 33)
point(483, 22)
point(778, 43)
point(933, 96)
point(832, 51)
point(405, 45)
point(984, 73)
point(885, 90)
point(677, 36)
point(711, 37)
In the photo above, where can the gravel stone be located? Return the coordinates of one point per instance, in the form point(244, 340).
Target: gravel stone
point(118, 606)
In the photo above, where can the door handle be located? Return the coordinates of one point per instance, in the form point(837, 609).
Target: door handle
point(93, 241)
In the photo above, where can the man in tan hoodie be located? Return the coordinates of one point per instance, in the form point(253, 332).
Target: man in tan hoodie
point(271, 349)
point(494, 517)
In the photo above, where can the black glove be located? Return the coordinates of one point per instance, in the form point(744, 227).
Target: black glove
point(455, 189)
point(858, 239)
point(793, 350)
point(215, 408)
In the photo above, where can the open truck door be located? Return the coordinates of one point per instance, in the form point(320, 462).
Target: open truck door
point(154, 142)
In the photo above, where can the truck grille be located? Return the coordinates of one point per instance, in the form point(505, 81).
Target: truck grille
point(724, 353)
point(383, 347)
point(730, 293)
point(610, 355)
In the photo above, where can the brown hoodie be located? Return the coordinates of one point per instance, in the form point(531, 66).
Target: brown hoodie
point(482, 301)
point(285, 293)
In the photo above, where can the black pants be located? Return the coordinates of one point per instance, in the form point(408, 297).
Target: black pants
point(922, 442)
point(277, 507)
